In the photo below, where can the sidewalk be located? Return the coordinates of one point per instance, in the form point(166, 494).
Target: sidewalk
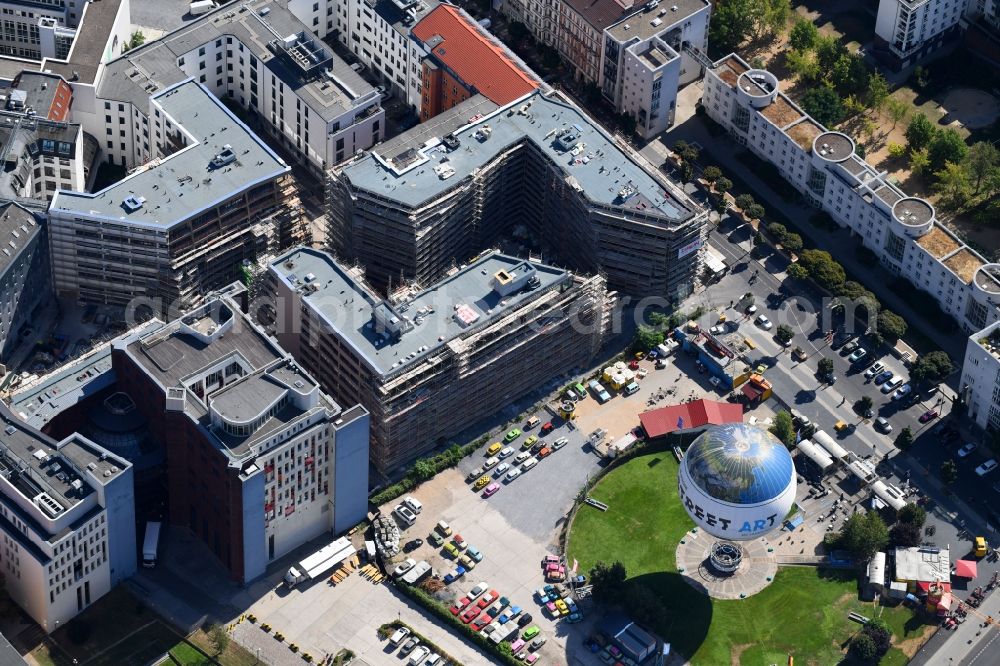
point(967, 641)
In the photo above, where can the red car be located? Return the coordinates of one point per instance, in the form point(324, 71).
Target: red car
point(547, 428)
point(488, 598)
point(457, 607)
point(929, 415)
point(481, 622)
point(470, 614)
point(633, 365)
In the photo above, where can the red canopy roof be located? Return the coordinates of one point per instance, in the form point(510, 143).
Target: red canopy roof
point(473, 55)
point(659, 422)
point(965, 569)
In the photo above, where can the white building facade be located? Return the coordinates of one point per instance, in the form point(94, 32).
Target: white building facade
point(67, 522)
point(902, 231)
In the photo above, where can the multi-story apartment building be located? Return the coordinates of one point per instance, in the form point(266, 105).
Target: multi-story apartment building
point(434, 196)
point(259, 460)
point(260, 58)
point(67, 522)
point(210, 196)
point(39, 29)
point(25, 279)
point(902, 230)
point(907, 30)
point(980, 383)
point(428, 363)
point(637, 54)
point(464, 59)
point(377, 32)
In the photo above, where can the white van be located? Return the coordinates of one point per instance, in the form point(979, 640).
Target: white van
point(528, 464)
point(631, 388)
point(414, 505)
point(521, 457)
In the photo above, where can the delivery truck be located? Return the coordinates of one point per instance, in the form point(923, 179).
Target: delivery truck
point(150, 544)
point(319, 562)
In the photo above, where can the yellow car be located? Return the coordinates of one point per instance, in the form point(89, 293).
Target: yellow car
point(980, 547)
point(451, 549)
point(528, 443)
point(482, 481)
point(562, 607)
point(494, 448)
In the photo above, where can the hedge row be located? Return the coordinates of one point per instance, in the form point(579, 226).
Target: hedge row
point(425, 468)
point(437, 608)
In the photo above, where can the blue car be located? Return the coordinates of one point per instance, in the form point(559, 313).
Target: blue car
point(883, 377)
point(452, 576)
point(474, 553)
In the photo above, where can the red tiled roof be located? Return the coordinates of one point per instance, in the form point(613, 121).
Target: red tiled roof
point(473, 57)
point(659, 422)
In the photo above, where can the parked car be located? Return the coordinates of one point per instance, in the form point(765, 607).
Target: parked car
point(528, 443)
point(405, 514)
point(459, 606)
point(408, 646)
point(418, 655)
point(471, 614)
point(524, 620)
point(531, 632)
point(478, 589)
point(488, 598)
point(512, 474)
point(764, 322)
point(929, 415)
point(875, 369)
point(892, 385)
point(849, 347)
point(559, 443)
point(412, 545)
point(987, 467)
point(491, 490)
point(967, 450)
point(506, 452)
point(521, 457)
point(454, 575)
point(512, 435)
point(883, 425)
point(494, 449)
point(481, 482)
point(475, 474)
point(547, 427)
point(399, 636)
point(883, 377)
point(403, 567)
point(474, 553)
point(501, 470)
point(490, 462)
point(857, 355)
point(902, 392)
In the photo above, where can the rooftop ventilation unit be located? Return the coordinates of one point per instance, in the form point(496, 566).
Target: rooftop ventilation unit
point(132, 203)
point(451, 142)
point(227, 156)
point(48, 505)
point(77, 484)
point(10, 429)
point(444, 171)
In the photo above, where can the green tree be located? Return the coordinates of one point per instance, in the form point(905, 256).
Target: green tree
point(723, 185)
point(608, 582)
point(423, 469)
point(947, 146)
point(824, 104)
point(755, 211)
point(797, 272)
point(919, 161)
point(711, 173)
point(878, 91)
point(919, 132)
point(803, 65)
point(504, 649)
point(218, 638)
point(904, 440)
point(849, 73)
point(864, 404)
point(825, 366)
point(828, 49)
point(784, 334)
point(802, 37)
point(646, 338)
point(744, 201)
point(821, 266)
point(983, 158)
point(949, 472)
point(864, 534)
point(954, 185)
point(731, 22)
point(862, 648)
point(792, 242)
point(772, 16)
point(778, 230)
point(891, 325)
point(905, 535)
point(932, 367)
point(783, 428)
point(881, 635)
point(896, 150)
point(897, 110)
point(913, 514)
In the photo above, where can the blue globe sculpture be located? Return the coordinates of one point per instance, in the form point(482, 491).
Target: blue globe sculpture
point(737, 481)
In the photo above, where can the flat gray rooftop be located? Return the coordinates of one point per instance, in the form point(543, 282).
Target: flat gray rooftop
point(153, 66)
point(45, 399)
point(641, 25)
point(17, 228)
point(88, 46)
point(245, 400)
point(599, 169)
point(182, 184)
point(348, 307)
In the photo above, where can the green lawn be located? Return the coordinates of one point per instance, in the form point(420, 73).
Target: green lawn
point(803, 612)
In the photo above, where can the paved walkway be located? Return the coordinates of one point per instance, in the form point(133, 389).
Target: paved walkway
point(756, 570)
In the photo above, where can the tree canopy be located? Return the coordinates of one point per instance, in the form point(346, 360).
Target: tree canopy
point(932, 367)
point(919, 132)
point(803, 35)
point(946, 146)
point(864, 534)
point(783, 428)
point(891, 325)
point(824, 104)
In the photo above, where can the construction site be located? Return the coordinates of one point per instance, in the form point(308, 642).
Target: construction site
point(536, 178)
point(428, 363)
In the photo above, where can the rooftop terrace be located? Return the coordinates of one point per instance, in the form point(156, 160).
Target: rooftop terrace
point(964, 264)
point(938, 242)
point(413, 172)
point(651, 20)
point(390, 336)
point(170, 190)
